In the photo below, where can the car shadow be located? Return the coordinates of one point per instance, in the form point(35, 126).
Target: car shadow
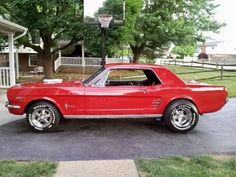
point(104, 126)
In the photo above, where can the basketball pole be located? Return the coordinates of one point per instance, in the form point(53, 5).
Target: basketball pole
point(104, 20)
point(103, 44)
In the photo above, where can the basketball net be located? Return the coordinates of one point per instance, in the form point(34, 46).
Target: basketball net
point(105, 20)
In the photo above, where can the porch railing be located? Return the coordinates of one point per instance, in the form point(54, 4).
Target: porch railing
point(5, 77)
point(80, 62)
point(57, 63)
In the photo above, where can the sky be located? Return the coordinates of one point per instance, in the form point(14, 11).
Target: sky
point(92, 6)
point(226, 13)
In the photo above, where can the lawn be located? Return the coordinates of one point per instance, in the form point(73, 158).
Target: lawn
point(27, 169)
point(196, 166)
point(207, 76)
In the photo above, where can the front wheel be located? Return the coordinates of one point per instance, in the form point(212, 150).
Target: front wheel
point(43, 117)
point(181, 116)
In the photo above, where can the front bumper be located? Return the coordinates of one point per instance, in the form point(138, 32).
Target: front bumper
point(12, 106)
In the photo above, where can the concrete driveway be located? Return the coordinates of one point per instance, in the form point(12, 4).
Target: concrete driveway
point(116, 139)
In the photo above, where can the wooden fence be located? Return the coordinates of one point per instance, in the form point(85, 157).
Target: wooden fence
point(213, 67)
point(203, 64)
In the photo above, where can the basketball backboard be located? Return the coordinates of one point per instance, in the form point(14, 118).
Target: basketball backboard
point(93, 8)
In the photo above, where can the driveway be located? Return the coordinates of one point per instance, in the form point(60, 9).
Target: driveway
point(116, 139)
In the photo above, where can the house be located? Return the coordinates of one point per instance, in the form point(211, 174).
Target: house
point(7, 73)
point(25, 58)
point(218, 51)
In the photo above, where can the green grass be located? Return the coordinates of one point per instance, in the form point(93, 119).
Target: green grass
point(27, 169)
point(196, 166)
point(207, 76)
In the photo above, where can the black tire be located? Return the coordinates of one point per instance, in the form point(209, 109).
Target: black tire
point(181, 116)
point(45, 121)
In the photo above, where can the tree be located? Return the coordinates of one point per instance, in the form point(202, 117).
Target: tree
point(184, 50)
point(51, 19)
point(3, 41)
point(180, 22)
point(155, 25)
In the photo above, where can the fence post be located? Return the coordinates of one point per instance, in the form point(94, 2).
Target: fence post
point(192, 64)
point(83, 62)
point(203, 63)
point(175, 62)
point(216, 65)
point(164, 62)
point(183, 62)
point(221, 73)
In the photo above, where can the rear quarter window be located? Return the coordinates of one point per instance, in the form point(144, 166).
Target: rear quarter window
point(168, 77)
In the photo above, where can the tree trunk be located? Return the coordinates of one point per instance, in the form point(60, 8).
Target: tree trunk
point(136, 56)
point(48, 66)
point(137, 51)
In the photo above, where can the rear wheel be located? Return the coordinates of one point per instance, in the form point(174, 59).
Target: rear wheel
point(181, 116)
point(43, 117)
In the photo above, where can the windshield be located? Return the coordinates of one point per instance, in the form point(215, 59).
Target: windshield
point(90, 78)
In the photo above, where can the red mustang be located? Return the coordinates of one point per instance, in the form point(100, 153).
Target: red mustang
point(117, 91)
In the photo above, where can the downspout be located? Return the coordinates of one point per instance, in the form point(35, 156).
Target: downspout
point(21, 35)
point(17, 62)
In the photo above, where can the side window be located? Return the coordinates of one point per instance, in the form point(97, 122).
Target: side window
point(102, 81)
point(128, 77)
point(151, 78)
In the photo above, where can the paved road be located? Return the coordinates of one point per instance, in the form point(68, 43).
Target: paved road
point(116, 139)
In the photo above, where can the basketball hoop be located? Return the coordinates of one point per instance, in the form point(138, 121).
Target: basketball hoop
point(105, 20)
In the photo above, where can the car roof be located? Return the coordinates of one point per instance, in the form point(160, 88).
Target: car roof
point(132, 66)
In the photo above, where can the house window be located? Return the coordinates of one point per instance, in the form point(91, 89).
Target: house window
point(33, 60)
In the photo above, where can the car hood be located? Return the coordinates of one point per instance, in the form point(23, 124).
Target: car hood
point(43, 89)
point(50, 84)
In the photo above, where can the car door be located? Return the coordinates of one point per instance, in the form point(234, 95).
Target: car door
point(154, 92)
point(120, 98)
point(153, 98)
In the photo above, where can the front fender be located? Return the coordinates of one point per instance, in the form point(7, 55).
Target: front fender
point(31, 101)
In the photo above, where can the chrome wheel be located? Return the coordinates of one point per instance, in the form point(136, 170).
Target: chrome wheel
point(182, 117)
point(41, 118)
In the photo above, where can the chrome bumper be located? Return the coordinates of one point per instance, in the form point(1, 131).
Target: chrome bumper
point(226, 100)
point(8, 105)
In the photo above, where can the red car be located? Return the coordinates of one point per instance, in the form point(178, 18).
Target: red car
point(117, 91)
